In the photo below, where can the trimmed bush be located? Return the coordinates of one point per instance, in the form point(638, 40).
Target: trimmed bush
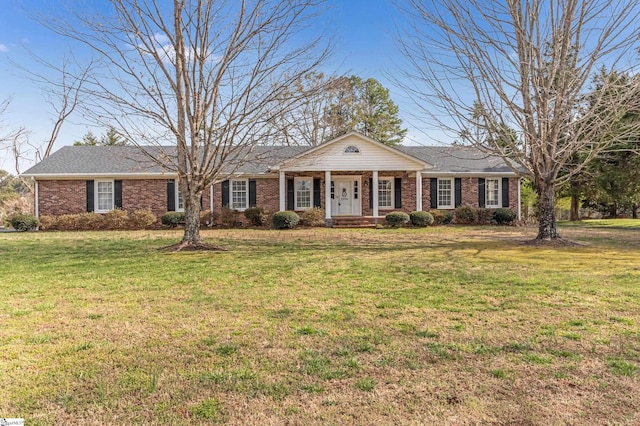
point(23, 222)
point(116, 219)
point(485, 216)
point(229, 217)
point(85, 222)
point(255, 216)
point(441, 217)
point(142, 219)
point(313, 217)
point(396, 219)
point(466, 215)
point(172, 219)
point(504, 216)
point(209, 218)
point(47, 223)
point(420, 218)
point(285, 220)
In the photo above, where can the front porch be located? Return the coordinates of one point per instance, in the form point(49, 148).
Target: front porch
point(355, 221)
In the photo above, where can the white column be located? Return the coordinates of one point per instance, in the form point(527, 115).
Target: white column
point(418, 191)
point(211, 197)
point(282, 192)
point(327, 194)
point(36, 203)
point(519, 200)
point(374, 192)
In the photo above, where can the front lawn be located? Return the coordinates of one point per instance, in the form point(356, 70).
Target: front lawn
point(444, 325)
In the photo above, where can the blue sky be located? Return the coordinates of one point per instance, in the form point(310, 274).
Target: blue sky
point(365, 47)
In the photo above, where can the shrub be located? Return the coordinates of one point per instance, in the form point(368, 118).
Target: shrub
point(172, 219)
point(396, 219)
point(23, 222)
point(142, 219)
point(86, 222)
point(209, 218)
point(441, 217)
point(255, 216)
point(285, 220)
point(47, 223)
point(420, 218)
point(466, 215)
point(504, 215)
point(228, 217)
point(116, 219)
point(485, 216)
point(313, 217)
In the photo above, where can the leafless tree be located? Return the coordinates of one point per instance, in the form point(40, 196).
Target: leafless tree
point(479, 67)
point(206, 76)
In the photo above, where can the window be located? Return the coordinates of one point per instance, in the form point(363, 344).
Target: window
point(385, 193)
point(239, 194)
point(303, 193)
point(179, 199)
point(445, 193)
point(356, 189)
point(104, 195)
point(492, 192)
point(352, 149)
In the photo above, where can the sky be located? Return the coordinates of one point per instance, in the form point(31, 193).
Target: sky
point(365, 46)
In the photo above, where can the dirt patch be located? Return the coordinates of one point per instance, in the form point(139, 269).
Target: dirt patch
point(191, 247)
point(556, 242)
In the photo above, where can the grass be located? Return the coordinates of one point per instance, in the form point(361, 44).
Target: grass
point(409, 326)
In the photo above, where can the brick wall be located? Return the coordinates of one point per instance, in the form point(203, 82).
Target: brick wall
point(145, 194)
point(56, 197)
point(470, 192)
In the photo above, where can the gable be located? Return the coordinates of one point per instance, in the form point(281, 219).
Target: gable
point(353, 152)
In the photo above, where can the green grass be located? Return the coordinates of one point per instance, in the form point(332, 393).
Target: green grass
point(406, 326)
point(605, 223)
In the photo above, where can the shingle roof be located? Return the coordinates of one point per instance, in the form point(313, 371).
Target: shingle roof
point(115, 160)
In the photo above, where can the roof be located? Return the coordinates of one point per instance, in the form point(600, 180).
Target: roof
point(77, 161)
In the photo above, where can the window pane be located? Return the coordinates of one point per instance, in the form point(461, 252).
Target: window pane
point(239, 194)
point(444, 193)
point(385, 195)
point(303, 193)
point(180, 200)
point(104, 196)
point(492, 192)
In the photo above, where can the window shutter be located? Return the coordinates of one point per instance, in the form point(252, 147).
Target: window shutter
point(252, 192)
point(397, 192)
point(200, 201)
point(225, 193)
point(290, 197)
point(171, 195)
point(458, 191)
point(316, 192)
point(433, 192)
point(505, 192)
point(481, 194)
point(117, 194)
point(90, 197)
point(371, 189)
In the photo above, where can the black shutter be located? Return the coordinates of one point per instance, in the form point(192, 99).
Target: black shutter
point(397, 192)
point(252, 192)
point(458, 191)
point(290, 197)
point(316, 193)
point(171, 195)
point(505, 192)
point(481, 194)
point(433, 192)
point(371, 189)
point(117, 194)
point(90, 196)
point(201, 202)
point(225, 193)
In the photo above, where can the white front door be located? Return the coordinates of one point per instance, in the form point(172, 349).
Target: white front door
point(344, 197)
point(346, 200)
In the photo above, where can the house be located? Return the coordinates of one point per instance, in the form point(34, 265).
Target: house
point(337, 176)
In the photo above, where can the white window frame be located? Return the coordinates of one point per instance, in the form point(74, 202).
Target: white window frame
point(351, 150)
point(179, 198)
point(451, 194)
point(96, 196)
point(295, 192)
point(232, 204)
point(498, 201)
point(391, 205)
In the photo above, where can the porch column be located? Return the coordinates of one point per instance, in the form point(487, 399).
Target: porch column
point(282, 192)
point(374, 192)
point(418, 191)
point(519, 199)
point(327, 195)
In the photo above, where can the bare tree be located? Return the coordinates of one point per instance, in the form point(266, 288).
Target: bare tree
point(478, 67)
point(206, 76)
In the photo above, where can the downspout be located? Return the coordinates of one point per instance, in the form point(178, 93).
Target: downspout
point(211, 197)
point(519, 200)
point(36, 203)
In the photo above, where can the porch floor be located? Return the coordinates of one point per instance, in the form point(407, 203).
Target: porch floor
point(356, 221)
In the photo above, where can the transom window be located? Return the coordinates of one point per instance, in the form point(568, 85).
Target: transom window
point(385, 193)
point(239, 194)
point(352, 149)
point(104, 195)
point(492, 192)
point(445, 193)
point(303, 193)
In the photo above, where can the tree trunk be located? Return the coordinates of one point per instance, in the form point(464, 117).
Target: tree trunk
point(634, 211)
point(547, 215)
point(191, 220)
point(574, 213)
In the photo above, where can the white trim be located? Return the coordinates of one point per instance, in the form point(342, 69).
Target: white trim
point(486, 193)
point(96, 199)
point(519, 182)
point(231, 205)
point(452, 195)
point(374, 184)
point(211, 197)
point(418, 191)
point(295, 192)
point(283, 192)
point(327, 194)
point(36, 202)
point(392, 200)
point(176, 195)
